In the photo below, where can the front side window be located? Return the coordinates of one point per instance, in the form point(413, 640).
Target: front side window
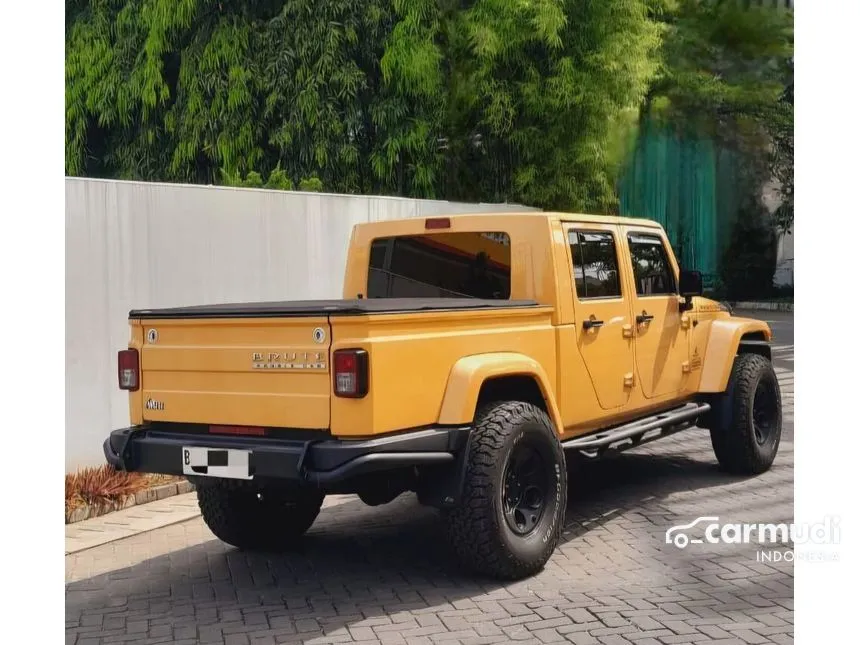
point(445, 265)
point(595, 264)
point(652, 271)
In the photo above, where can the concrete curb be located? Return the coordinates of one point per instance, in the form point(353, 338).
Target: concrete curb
point(140, 497)
point(130, 522)
point(160, 513)
point(764, 306)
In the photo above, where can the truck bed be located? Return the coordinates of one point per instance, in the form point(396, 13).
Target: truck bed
point(268, 364)
point(302, 308)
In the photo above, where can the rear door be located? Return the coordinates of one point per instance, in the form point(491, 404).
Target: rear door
point(249, 371)
point(602, 311)
point(662, 342)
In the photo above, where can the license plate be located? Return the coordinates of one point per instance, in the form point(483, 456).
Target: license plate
point(217, 462)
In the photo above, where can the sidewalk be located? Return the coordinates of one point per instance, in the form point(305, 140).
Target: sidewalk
point(118, 525)
point(131, 521)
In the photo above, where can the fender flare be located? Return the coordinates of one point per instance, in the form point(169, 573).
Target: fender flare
point(725, 339)
point(468, 375)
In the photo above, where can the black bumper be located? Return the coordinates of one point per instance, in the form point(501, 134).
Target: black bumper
point(318, 462)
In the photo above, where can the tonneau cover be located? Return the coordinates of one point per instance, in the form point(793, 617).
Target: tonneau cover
point(356, 307)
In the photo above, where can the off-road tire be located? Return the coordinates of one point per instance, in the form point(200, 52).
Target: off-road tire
point(733, 433)
point(256, 520)
point(478, 532)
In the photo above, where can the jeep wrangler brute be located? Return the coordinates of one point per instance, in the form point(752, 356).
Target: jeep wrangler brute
point(469, 354)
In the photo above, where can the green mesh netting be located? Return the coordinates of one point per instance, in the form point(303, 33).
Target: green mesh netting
point(688, 186)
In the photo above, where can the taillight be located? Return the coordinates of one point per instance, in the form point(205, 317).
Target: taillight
point(128, 370)
point(350, 373)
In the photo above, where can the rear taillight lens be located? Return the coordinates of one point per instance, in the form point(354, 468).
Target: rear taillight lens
point(351, 373)
point(128, 370)
point(245, 431)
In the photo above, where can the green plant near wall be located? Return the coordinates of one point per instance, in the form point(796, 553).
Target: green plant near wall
point(311, 184)
point(277, 180)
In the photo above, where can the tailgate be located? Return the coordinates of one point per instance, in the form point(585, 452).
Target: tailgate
point(236, 371)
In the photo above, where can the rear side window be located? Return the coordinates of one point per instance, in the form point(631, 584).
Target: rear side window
point(444, 265)
point(595, 264)
point(652, 271)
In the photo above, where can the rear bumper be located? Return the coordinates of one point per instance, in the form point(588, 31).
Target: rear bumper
point(323, 463)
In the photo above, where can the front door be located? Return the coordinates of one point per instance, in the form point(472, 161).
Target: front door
point(662, 343)
point(604, 332)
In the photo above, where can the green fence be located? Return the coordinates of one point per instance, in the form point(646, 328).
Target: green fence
point(689, 185)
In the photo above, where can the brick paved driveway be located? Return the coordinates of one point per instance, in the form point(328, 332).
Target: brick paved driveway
point(383, 575)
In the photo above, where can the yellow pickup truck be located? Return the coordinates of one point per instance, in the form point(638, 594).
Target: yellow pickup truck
point(469, 355)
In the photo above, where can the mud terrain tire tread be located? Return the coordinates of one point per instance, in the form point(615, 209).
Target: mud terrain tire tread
point(238, 517)
point(732, 435)
point(476, 526)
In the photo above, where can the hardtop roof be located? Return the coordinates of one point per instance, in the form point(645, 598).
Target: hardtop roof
point(551, 215)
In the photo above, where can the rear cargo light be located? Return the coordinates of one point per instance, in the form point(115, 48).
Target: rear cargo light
point(437, 222)
point(350, 373)
point(128, 370)
point(248, 431)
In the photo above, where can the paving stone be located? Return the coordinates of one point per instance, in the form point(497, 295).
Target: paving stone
point(385, 575)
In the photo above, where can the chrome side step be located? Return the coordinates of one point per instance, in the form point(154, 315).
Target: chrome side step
point(636, 433)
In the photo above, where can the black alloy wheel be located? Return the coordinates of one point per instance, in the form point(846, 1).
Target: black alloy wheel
point(527, 482)
point(765, 411)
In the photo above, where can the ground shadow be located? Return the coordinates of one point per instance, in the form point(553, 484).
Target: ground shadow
point(356, 563)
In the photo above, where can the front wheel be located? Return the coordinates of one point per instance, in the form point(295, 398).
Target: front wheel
point(248, 518)
point(747, 419)
point(511, 514)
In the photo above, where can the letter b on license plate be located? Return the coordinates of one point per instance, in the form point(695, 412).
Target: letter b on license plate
point(216, 462)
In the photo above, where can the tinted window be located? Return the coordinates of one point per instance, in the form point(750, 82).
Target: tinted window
point(449, 265)
point(651, 269)
point(595, 264)
point(377, 253)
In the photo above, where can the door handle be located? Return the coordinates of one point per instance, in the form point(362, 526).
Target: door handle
point(591, 323)
point(644, 317)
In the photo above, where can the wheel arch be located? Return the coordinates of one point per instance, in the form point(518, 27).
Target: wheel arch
point(755, 342)
point(503, 376)
point(727, 339)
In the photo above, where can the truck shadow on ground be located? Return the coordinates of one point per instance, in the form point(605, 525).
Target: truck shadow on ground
point(358, 562)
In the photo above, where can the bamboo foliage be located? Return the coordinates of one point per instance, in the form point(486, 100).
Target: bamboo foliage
point(533, 101)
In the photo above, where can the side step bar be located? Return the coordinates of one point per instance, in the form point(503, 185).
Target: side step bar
point(636, 433)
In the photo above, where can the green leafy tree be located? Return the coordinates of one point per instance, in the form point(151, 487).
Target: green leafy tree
point(496, 100)
point(782, 160)
point(750, 259)
point(544, 98)
point(726, 74)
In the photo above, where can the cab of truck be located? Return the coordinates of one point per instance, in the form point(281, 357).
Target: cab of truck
point(469, 356)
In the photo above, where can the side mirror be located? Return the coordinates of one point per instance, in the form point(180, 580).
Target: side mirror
point(690, 284)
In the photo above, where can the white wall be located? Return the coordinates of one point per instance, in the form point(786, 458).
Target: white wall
point(138, 245)
point(784, 274)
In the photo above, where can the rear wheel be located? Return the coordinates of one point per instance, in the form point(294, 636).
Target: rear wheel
point(747, 420)
point(511, 515)
point(254, 519)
